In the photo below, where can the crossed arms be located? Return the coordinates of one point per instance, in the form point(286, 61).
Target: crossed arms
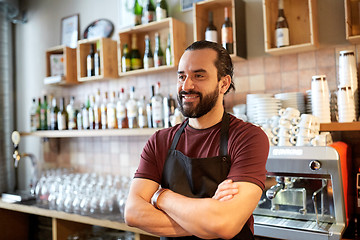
point(221, 216)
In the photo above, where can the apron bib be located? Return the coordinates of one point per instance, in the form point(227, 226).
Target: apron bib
point(199, 177)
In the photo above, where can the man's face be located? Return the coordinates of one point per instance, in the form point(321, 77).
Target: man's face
point(198, 86)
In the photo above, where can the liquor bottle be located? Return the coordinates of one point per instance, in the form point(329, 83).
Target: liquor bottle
point(161, 10)
point(92, 112)
point(62, 116)
point(142, 115)
point(132, 110)
point(85, 114)
point(71, 111)
point(158, 53)
point(148, 55)
point(97, 60)
point(111, 112)
point(79, 118)
point(149, 107)
point(211, 31)
point(149, 12)
point(54, 115)
point(135, 54)
point(282, 27)
point(48, 112)
point(227, 33)
point(103, 109)
point(125, 59)
point(33, 120)
point(169, 109)
point(157, 108)
point(137, 10)
point(97, 110)
point(121, 114)
point(43, 115)
point(38, 115)
point(90, 62)
point(168, 58)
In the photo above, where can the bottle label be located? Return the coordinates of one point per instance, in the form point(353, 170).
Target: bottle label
point(168, 57)
point(142, 121)
point(90, 63)
point(91, 117)
point(85, 119)
point(157, 113)
point(149, 16)
point(211, 36)
point(160, 13)
point(282, 37)
point(111, 118)
point(158, 60)
point(227, 35)
point(137, 19)
point(125, 62)
point(103, 118)
point(61, 121)
point(148, 63)
point(135, 63)
point(132, 111)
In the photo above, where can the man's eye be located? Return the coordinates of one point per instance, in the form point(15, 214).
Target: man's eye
point(199, 76)
point(180, 77)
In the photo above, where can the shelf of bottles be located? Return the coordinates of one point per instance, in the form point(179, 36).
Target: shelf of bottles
point(352, 20)
point(339, 127)
point(96, 59)
point(132, 49)
point(298, 17)
point(222, 21)
point(61, 66)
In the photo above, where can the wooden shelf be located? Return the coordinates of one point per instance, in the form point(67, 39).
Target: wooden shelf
point(303, 29)
point(167, 26)
point(69, 57)
point(352, 29)
point(237, 16)
point(338, 127)
point(92, 133)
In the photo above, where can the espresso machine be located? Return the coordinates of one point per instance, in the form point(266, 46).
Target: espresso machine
point(303, 197)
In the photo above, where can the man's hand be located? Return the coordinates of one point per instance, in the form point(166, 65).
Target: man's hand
point(226, 190)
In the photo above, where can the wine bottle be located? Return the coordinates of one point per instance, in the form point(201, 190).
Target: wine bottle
point(85, 114)
point(227, 33)
point(161, 10)
point(38, 115)
point(137, 10)
point(48, 113)
point(71, 111)
point(103, 109)
point(90, 62)
point(92, 112)
point(135, 54)
point(97, 110)
point(111, 112)
point(43, 115)
point(53, 115)
point(121, 113)
point(157, 108)
point(149, 12)
point(148, 55)
point(149, 107)
point(33, 120)
point(142, 115)
point(125, 59)
point(132, 110)
point(168, 58)
point(211, 31)
point(97, 59)
point(282, 27)
point(158, 53)
point(62, 116)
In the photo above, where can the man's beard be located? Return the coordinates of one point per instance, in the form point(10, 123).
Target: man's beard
point(204, 106)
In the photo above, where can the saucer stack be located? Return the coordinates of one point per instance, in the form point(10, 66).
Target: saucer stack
point(308, 108)
point(292, 100)
point(265, 109)
point(251, 105)
point(320, 98)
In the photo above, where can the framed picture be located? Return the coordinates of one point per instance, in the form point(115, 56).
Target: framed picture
point(70, 30)
point(187, 5)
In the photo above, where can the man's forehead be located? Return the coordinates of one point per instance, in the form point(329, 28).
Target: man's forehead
point(194, 60)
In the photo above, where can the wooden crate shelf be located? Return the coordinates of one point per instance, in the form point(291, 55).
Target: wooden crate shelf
point(352, 21)
point(338, 127)
point(69, 56)
point(303, 27)
point(237, 16)
point(167, 26)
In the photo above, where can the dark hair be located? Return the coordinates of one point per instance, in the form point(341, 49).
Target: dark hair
point(223, 62)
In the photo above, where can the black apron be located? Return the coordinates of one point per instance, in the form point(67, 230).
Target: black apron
point(199, 177)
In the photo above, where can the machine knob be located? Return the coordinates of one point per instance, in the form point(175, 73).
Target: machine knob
point(315, 165)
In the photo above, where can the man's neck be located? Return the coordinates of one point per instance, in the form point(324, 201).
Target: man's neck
point(208, 120)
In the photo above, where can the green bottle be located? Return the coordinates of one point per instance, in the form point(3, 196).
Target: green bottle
point(38, 115)
point(125, 59)
point(168, 59)
point(161, 10)
point(136, 62)
point(158, 53)
point(137, 12)
point(43, 115)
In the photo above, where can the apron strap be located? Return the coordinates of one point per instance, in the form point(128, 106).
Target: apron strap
point(224, 135)
point(177, 135)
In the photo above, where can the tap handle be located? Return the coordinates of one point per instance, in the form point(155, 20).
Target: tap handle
point(15, 137)
point(271, 193)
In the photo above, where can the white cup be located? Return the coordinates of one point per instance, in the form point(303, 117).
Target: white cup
point(291, 113)
point(305, 141)
point(309, 121)
point(284, 132)
point(306, 132)
point(286, 141)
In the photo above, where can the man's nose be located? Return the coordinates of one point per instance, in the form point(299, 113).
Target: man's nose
point(188, 84)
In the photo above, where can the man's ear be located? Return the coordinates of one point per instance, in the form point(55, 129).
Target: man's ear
point(225, 84)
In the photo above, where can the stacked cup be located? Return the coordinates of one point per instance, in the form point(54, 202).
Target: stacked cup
point(320, 98)
point(346, 104)
point(289, 118)
point(306, 130)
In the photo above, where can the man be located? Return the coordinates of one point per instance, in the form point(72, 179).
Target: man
point(211, 168)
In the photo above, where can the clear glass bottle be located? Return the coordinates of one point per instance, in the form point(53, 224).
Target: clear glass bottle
point(132, 110)
point(71, 111)
point(33, 119)
point(97, 110)
point(157, 108)
point(62, 116)
point(169, 109)
point(97, 59)
point(53, 115)
point(211, 31)
point(149, 107)
point(161, 10)
point(90, 62)
point(158, 53)
point(43, 114)
point(48, 112)
point(121, 113)
point(227, 33)
point(148, 55)
point(168, 55)
point(103, 109)
point(92, 112)
point(142, 116)
point(111, 112)
point(85, 114)
point(282, 27)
